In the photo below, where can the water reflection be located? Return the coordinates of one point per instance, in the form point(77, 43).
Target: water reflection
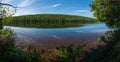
point(51, 37)
point(48, 24)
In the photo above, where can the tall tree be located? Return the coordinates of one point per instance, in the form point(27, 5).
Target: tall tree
point(6, 11)
point(107, 11)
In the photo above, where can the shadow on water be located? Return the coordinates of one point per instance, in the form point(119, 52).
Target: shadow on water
point(110, 51)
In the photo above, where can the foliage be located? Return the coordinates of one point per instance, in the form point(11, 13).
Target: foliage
point(5, 13)
point(8, 53)
point(43, 24)
point(107, 11)
point(108, 53)
point(49, 21)
point(68, 54)
point(52, 17)
point(6, 44)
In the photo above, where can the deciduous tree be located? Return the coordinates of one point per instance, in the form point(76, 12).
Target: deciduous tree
point(6, 11)
point(107, 11)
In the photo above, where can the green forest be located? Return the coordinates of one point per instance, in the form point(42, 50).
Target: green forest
point(107, 46)
point(49, 21)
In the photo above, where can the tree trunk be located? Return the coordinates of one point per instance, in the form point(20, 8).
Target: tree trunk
point(1, 24)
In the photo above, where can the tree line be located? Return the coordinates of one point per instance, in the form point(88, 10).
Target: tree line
point(50, 20)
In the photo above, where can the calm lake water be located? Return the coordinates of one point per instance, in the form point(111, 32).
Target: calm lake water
point(51, 37)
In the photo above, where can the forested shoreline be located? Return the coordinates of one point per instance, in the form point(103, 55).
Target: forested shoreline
point(50, 21)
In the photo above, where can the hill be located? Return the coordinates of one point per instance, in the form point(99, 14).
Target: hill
point(49, 20)
point(40, 17)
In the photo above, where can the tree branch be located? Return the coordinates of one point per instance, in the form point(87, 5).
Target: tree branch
point(7, 5)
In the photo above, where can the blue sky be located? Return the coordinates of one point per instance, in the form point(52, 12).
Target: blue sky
point(72, 7)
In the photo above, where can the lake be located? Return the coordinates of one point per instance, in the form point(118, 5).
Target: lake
point(52, 37)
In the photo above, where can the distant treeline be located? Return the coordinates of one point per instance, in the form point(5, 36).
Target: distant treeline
point(49, 20)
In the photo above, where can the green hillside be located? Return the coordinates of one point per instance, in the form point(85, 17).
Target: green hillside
point(46, 17)
point(49, 20)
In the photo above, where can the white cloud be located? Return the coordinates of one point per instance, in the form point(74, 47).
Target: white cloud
point(78, 11)
point(56, 5)
point(51, 6)
point(5, 1)
point(25, 12)
point(25, 3)
point(83, 12)
point(22, 10)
